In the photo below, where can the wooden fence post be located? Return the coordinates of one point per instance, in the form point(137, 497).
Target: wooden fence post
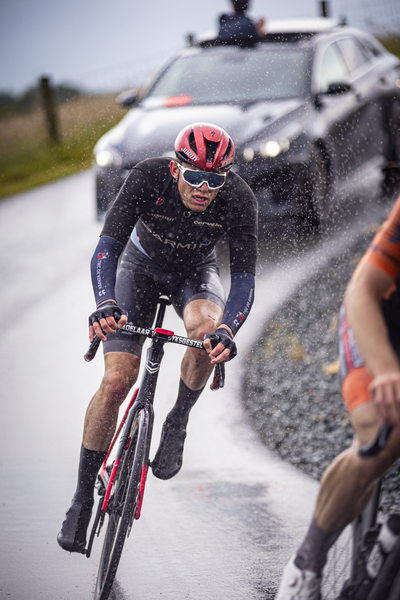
point(50, 110)
point(324, 8)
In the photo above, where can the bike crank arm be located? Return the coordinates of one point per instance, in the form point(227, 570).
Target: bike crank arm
point(98, 519)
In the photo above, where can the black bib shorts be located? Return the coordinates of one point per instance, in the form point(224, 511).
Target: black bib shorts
point(139, 284)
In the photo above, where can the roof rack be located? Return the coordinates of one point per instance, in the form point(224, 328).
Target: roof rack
point(279, 30)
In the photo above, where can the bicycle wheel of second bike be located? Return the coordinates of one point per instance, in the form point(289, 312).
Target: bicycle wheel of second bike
point(387, 584)
point(122, 507)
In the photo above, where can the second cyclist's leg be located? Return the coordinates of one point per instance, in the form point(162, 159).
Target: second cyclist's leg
point(346, 487)
point(121, 370)
point(201, 316)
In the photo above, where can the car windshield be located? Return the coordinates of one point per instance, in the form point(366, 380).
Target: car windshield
point(234, 75)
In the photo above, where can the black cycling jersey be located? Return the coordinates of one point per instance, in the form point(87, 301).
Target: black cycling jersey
point(175, 237)
point(149, 209)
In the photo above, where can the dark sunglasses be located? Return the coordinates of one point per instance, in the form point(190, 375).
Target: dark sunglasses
point(197, 178)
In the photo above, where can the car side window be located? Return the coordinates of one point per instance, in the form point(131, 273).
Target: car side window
point(372, 48)
point(354, 53)
point(333, 67)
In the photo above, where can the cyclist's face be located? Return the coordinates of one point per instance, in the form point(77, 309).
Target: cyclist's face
point(196, 199)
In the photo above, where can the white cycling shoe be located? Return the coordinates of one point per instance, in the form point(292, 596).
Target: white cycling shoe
point(299, 585)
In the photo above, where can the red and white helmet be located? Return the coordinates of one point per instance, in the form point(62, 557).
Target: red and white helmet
point(205, 146)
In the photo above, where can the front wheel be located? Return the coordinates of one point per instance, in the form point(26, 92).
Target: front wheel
point(122, 506)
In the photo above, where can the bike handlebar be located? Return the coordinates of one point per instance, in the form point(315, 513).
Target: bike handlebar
point(168, 336)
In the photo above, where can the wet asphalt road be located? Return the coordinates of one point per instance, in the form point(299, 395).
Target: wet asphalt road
point(225, 526)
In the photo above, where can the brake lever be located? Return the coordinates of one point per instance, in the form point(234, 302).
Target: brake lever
point(218, 381)
point(219, 377)
point(94, 346)
point(91, 353)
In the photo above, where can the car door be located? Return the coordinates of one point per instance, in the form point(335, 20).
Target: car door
point(367, 137)
point(347, 106)
point(338, 112)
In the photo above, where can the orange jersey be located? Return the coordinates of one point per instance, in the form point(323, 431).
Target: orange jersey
point(384, 250)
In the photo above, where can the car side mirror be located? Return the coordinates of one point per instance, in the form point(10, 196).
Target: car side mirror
point(338, 87)
point(128, 98)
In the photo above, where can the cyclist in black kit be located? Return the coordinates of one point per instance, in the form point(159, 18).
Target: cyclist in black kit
point(166, 221)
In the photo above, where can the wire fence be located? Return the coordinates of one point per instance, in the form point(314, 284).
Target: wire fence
point(131, 74)
point(382, 19)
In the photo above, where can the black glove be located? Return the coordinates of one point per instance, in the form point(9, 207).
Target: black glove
point(108, 309)
point(222, 336)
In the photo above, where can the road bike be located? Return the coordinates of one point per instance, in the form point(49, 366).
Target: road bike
point(345, 576)
point(122, 477)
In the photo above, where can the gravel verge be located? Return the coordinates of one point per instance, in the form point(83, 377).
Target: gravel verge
point(291, 390)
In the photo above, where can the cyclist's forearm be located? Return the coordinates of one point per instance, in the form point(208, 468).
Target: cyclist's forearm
point(103, 268)
point(240, 301)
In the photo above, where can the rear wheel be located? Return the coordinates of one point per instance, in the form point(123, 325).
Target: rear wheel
point(122, 506)
point(314, 192)
point(394, 135)
point(391, 179)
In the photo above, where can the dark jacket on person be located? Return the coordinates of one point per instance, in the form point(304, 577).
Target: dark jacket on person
point(237, 29)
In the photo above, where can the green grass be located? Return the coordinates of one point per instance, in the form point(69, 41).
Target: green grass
point(391, 43)
point(29, 159)
point(37, 161)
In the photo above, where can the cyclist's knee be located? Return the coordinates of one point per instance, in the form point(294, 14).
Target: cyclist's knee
point(366, 422)
point(201, 317)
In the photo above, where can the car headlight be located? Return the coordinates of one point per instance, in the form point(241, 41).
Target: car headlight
point(106, 158)
point(275, 146)
point(269, 149)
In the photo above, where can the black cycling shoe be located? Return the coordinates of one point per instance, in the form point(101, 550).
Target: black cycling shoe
point(168, 459)
point(72, 536)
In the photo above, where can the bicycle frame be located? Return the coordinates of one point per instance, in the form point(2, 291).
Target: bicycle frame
point(142, 400)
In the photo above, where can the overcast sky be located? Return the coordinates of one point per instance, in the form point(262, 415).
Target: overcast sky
point(70, 40)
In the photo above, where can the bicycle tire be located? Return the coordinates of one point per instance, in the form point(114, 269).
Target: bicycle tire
point(384, 587)
point(122, 506)
point(394, 593)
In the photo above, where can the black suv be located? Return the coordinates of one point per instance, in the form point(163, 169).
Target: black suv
point(310, 106)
